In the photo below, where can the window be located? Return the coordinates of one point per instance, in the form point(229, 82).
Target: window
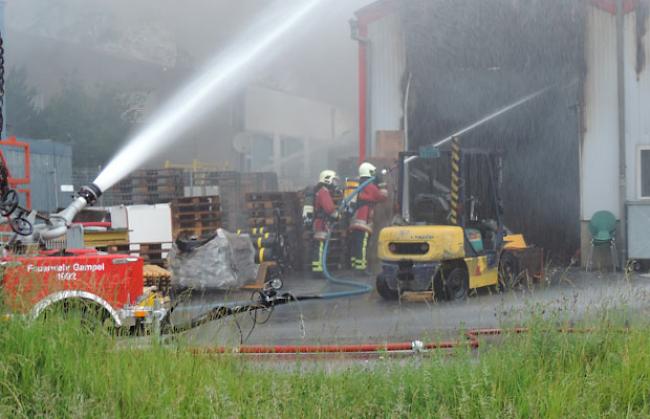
point(644, 172)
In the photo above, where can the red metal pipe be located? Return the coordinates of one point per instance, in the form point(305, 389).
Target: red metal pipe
point(106, 224)
point(471, 335)
point(363, 91)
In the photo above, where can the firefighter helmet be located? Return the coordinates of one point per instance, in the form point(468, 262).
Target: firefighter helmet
point(367, 170)
point(327, 177)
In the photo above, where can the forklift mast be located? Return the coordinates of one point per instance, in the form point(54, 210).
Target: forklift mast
point(473, 176)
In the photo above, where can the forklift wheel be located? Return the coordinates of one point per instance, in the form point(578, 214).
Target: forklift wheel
point(384, 290)
point(456, 284)
point(508, 271)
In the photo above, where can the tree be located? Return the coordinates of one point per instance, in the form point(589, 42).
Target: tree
point(93, 123)
point(19, 100)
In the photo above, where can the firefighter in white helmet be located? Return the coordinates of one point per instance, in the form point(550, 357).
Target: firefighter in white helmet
point(325, 212)
point(361, 224)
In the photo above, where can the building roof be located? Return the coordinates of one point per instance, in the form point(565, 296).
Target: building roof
point(610, 5)
point(375, 11)
point(47, 146)
point(380, 8)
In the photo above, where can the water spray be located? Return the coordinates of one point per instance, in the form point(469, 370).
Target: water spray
point(486, 119)
point(210, 88)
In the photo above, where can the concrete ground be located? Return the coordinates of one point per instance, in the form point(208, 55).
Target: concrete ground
point(571, 295)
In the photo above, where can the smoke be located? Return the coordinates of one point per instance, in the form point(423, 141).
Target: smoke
point(149, 48)
point(229, 69)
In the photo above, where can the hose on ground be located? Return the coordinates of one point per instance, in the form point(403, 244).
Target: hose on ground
point(357, 288)
point(263, 303)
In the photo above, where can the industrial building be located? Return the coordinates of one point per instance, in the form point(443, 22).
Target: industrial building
point(578, 148)
point(49, 172)
point(291, 135)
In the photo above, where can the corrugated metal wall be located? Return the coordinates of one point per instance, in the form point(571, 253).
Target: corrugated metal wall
point(469, 58)
point(600, 171)
point(387, 66)
point(600, 145)
point(51, 167)
point(637, 94)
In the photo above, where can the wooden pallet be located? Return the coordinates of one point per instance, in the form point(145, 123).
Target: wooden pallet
point(148, 186)
point(194, 225)
point(196, 216)
point(196, 208)
point(196, 231)
point(274, 197)
point(270, 221)
point(417, 296)
point(211, 199)
point(283, 205)
point(264, 213)
point(157, 276)
point(152, 253)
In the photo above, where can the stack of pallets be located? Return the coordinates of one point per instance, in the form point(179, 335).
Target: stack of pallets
point(151, 253)
point(263, 208)
point(155, 276)
point(150, 186)
point(195, 216)
point(278, 213)
point(233, 186)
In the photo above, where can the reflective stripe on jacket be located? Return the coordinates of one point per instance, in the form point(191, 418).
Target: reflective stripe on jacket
point(368, 198)
point(324, 207)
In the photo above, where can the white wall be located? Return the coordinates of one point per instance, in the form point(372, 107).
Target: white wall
point(275, 112)
point(277, 116)
point(387, 67)
point(637, 103)
point(600, 150)
point(599, 168)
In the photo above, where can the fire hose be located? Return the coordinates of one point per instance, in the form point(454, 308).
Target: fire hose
point(357, 288)
point(269, 298)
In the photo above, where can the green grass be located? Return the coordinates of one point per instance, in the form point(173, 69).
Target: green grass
point(58, 370)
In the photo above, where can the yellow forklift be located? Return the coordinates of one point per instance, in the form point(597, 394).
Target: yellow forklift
point(449, 240)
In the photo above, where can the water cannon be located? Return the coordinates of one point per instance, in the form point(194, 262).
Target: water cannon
point(59, 222)
point(90, 193)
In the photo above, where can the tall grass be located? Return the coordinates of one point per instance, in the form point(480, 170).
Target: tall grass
point(56, 369)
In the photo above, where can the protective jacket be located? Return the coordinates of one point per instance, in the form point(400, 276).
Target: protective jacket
point(368, 198)
point(324, 211)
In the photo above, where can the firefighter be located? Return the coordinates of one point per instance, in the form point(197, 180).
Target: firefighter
point(325, 212)
point(361, 224)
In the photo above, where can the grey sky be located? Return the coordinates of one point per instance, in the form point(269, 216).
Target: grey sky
point(322, 65)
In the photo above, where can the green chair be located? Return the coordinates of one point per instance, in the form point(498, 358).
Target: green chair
point(602, 227)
